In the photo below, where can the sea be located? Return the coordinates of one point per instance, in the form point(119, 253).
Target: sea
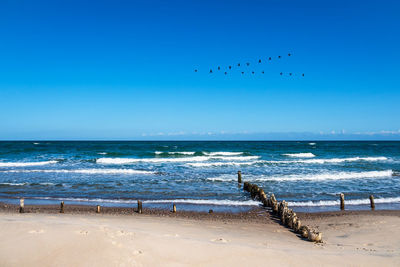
point(201, 175)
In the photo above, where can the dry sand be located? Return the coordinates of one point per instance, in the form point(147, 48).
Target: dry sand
point(45, 239)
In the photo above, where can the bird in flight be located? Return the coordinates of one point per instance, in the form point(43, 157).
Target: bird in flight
point(210, 71)
point(259, 61)
point(289, 55)
point(230, 67)
point(248, 64)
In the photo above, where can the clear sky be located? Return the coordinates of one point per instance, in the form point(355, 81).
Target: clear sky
point(125, 69)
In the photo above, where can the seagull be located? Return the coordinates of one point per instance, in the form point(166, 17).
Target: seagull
point(290, 74)
point(302, 74)
point(252, 72)
point(248, 64)
point(242, 72)
point(279, 56)
point(210, 71)
point(226, 73)
point(281, 73)
point(230, 67)
point(262, 72)
point(259, 61)
point(238, 64)
point(289, 55)
point(219, 67)
point(269, 58)
point(195, 70)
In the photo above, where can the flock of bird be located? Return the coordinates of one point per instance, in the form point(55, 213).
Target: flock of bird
point(247, 64)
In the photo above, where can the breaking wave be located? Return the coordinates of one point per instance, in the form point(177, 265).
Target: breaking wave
point(223, 153)
point(26, 164)
point(161, 160)
point(310, 177)
point(86, 171)
point(365, 201)
point(300, 155)
point(333, 160)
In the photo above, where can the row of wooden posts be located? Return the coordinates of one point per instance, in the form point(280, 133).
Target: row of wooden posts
point(98, 207)
point(371, 197)
point(287, 216)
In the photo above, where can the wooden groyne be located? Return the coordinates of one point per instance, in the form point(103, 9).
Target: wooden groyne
point(286, 215)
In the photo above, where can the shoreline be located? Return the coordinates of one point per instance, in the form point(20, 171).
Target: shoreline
point(81, 237)
point(254, 214)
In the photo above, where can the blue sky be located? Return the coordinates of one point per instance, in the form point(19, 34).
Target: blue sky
point(124, 70)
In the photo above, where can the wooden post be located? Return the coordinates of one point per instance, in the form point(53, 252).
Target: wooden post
point(62, 207)
point(239, 177)
point(21, 205)
point(341, 201)
point(98, 209)
point(173, 208)
point(371, 199)
point(139, 206)
point(210, 211)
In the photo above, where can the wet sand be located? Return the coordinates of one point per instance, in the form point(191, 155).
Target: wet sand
point(120, 237)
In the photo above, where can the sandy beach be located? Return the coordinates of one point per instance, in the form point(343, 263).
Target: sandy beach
point(82, 238)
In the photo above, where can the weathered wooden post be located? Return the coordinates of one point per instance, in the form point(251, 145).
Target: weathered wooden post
point(341, 201)
point(21, 205)
point(62, 207)
point(173, 208)
point(98, 209)
point(239, 177)
point(139, 206)
point(246, 186)
point(210, 211)
point(371, 199)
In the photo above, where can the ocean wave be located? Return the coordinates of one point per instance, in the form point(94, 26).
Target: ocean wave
point(309, 177)
point(218, 164)
point(161, 160)
point(223, 153)
point(175, 152)
point(86, 171)
point(207, 202)
point(311, 144)
point(102, 153)
point(217, 202)
point(22, 184)
point(332, 160)
point(364, 201)
point(148, 160)
point(300, 155)
point(26, 164)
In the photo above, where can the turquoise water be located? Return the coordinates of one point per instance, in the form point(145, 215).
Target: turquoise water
point(201, 175)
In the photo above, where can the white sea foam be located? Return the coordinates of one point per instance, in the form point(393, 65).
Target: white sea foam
point(310, 177)
point(148, 160)
point(176, 152)
point(35, 143)
point(311, 144)
point(218, 164)
point(223, 153)
point(86, 171)
point(26, 164)
point(332, 160)
point(219, 202)
point(21, 184)
point(161, 160)
point(300, 155)
point(364, 201)
point(102, 153)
